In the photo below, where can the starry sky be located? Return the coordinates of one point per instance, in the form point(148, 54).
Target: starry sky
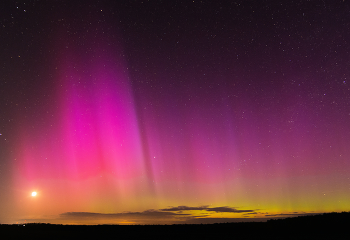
point(162, 112)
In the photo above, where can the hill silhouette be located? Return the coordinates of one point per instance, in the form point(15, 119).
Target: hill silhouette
point(323, 226)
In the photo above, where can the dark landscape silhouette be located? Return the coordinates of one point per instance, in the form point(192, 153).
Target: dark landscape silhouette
point(322, 226)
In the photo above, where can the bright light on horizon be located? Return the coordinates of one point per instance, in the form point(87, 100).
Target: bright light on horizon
point(34, 194)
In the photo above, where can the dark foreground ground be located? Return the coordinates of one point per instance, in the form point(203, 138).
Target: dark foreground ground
point(325, 226)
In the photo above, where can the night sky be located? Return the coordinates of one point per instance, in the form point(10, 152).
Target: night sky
point(160, 112)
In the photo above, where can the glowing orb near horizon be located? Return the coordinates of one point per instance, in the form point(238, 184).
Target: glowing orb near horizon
point(34, 194)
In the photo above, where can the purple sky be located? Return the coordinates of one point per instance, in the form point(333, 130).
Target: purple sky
point(117, 110)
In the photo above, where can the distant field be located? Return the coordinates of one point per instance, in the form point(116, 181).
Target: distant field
point(330, 225)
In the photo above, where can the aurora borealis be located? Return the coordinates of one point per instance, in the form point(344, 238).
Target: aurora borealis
point(149, 112)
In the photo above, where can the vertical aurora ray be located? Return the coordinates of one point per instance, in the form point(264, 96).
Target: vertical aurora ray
point(88, 154)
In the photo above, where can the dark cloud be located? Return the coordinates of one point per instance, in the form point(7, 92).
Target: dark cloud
point(171, 215)
point(206, 208)
point(250, 213)
point(184, 208)
point(228, 209)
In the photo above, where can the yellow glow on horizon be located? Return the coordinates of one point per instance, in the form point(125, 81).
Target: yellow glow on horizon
point(34, 194)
